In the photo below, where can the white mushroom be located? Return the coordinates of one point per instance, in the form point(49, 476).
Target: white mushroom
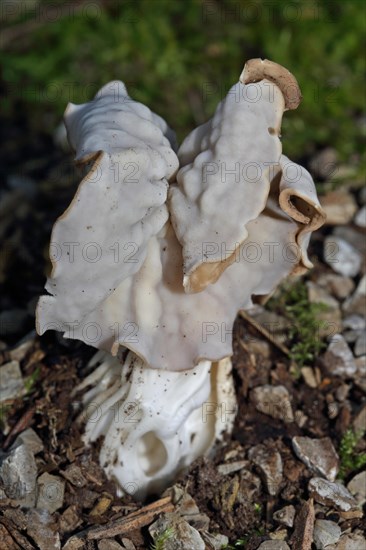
point(235, 240)
point(226, 169)
point(102, 237)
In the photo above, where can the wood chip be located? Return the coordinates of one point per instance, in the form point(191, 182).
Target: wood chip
point(264, 332)
point(102, 505)
point(22, 424)
point(135, 520)
point(302, 537)
point(17, 536)
point(6, 541)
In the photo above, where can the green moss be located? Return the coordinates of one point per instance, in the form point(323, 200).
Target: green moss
point(160, 540)
point(243, 541)
point(350, 459)
point(31, 380)
point(304, 333)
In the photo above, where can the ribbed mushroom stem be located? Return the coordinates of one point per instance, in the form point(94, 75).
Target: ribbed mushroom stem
point(155, 422)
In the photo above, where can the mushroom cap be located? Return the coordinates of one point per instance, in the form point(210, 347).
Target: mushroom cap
point(224, 180)
point(264, 229)
point(102, 236)
point(150, 313)
point(258, 69)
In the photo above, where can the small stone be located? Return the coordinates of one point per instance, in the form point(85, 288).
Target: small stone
point(232, 453)
point(285, 516)
point(201, 522)
point(269, 463)
point(273, 401)
point(232, 467)
point(360, 218)
point(318, 455)
point(356, 304)
point(70, 519)
point(339, 206)
point(74, 475)
point(20, 351)
point(333, 409)
point(359, 421)
point(109, 544)
point(43, 530)
point(128, 544)
point(249, 488)
point(353, 236)
point(11, 381)
point(330, 318)
point(188, 509)
point(351, 336)
point(324, 164)
point(354, 322)
point(74, 543)
point(331, 494)
point(274, 545)
point(310, 377)
point(342, 392)
point(279, 534)
point(183, 536)
point(214, 542)
point(341, 287)
point(301, 418)
point(317, 294)
point(259, 347)
point(185, 504)
point(51, 491)
point(18, 472)
point(362, 195)
point(325, 533)
point(351, 541)
point(357, 487)
point(338, 359)
point(341, 256)
point(30, 439)
point(360, 378)
point(360, 346)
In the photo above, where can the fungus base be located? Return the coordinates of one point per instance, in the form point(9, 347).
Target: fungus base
point(155, 422)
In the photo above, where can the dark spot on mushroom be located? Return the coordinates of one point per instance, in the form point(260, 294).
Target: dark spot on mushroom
point(271, 131)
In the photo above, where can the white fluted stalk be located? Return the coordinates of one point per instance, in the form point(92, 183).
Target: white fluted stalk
point(155, 422)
